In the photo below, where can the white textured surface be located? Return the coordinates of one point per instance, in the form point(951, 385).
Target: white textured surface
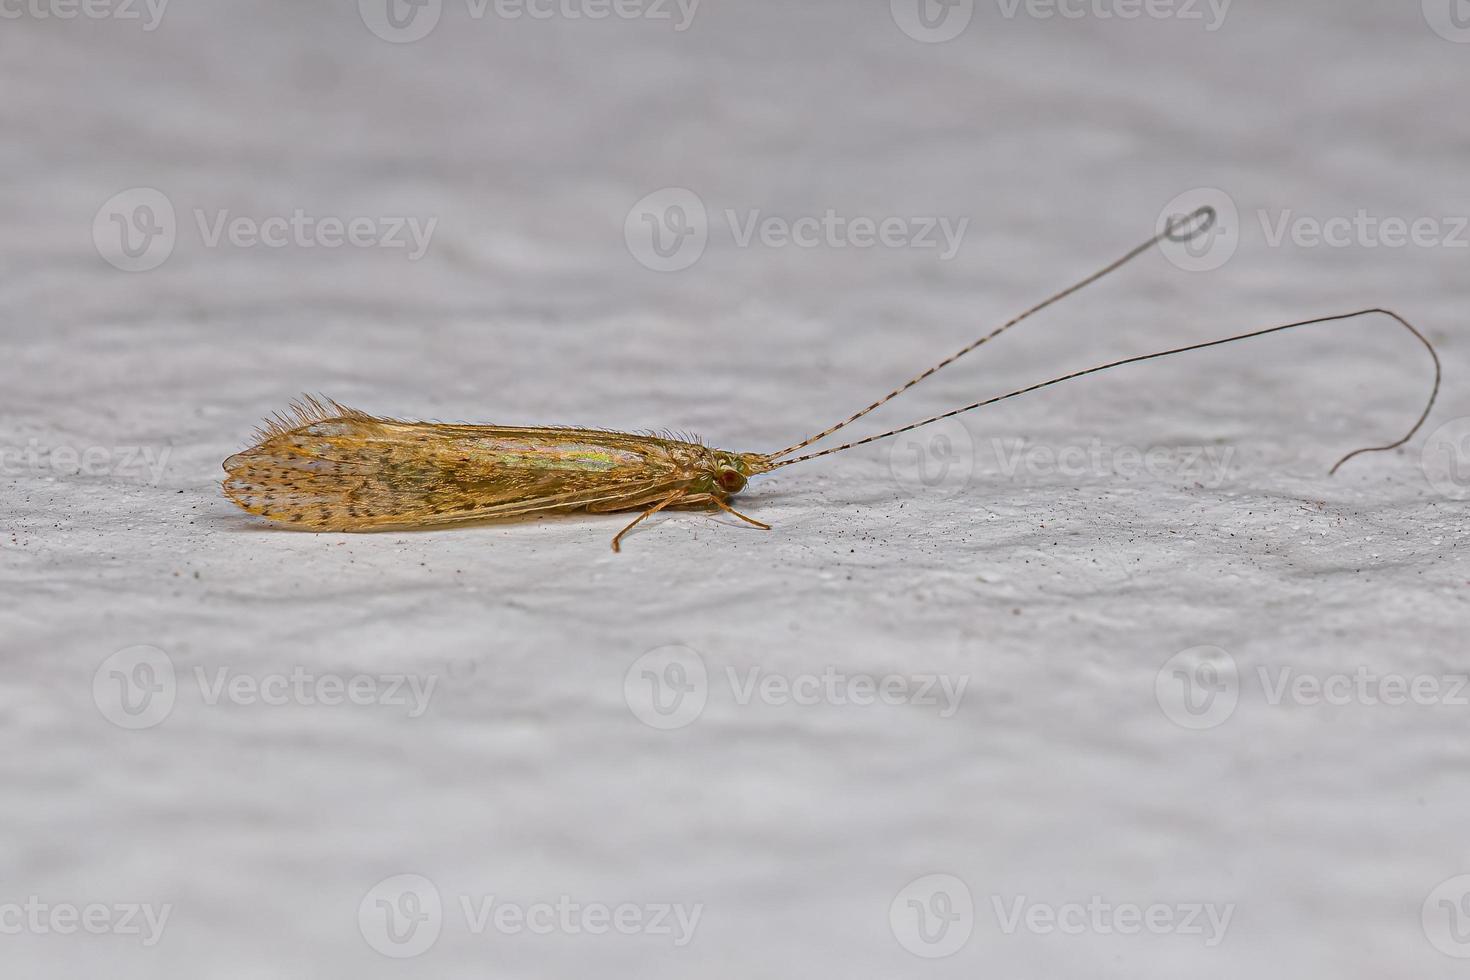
point(1057, 597)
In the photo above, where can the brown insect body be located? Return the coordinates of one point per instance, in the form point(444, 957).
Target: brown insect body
point(326, 467)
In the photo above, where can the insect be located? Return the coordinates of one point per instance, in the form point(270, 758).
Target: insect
point(325, 467)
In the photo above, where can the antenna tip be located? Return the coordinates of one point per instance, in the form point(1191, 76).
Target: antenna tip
point(1191, 226)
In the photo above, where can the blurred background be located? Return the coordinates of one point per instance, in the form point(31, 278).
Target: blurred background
point(1105, 616)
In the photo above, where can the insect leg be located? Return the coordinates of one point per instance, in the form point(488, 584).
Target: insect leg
point(731, 510)
point(616, 546)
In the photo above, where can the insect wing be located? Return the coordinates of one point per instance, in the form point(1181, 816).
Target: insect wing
point(357, 472)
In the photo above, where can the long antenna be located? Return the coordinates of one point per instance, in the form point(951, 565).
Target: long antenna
point(1181, 229)
point(1433, 394)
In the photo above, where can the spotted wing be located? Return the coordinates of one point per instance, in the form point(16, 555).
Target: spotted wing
point(330, 468)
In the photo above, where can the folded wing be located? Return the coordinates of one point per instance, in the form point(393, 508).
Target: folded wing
point(326, 467)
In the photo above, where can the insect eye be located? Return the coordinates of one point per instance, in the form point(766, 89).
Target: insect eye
point(730, 480)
